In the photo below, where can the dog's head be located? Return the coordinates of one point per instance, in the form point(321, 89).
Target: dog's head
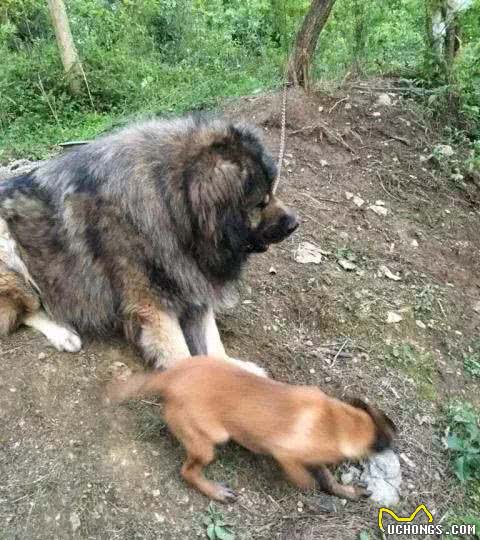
point(230, 190)
point(385, 429)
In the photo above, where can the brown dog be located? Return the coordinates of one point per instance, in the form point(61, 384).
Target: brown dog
point(209, 401)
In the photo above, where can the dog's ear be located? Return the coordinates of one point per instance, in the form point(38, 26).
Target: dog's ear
point(215, 184)
point(385, 427)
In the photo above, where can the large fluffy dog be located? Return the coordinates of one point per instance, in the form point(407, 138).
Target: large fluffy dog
point(144, 230)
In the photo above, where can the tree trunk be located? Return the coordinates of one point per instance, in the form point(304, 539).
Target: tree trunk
point(68, 52)
point(306, 41)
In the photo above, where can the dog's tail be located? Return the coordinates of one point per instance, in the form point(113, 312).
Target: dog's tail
point(136, 386)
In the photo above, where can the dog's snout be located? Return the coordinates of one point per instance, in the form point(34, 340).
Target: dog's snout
point(290, 223)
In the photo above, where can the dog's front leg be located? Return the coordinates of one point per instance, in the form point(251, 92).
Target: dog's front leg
point(327, 483)
point(204, 332)
point(158, 335)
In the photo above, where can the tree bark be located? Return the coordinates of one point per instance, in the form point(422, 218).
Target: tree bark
point(68, 52)
point(306, 41)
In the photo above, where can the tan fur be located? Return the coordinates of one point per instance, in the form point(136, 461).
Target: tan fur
point(209, 401)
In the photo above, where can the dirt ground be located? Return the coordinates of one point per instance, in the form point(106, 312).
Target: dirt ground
point(72, 468)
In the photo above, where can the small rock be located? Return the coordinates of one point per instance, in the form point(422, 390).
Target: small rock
point(350, 475)
point(308, 253)
point(346, 264)
point(476, 306)
point(74, 521)
point(348, 195)
point(42, 356)
point(380, 203)
point(385, 271)
point(156, 492)
point(321, 503)
point(159, 517)
point(376, 114)
point(393, 317)
point(348, 106)
point(457, 177)
point(272, 271)
point(383, 476)
point(358, 201)
point(323, 163)
point(379, 210)
point(247, 302)
point(444, 150)
point(407, 460)
point(320, 109)
point(421, 324)
point(414, 243)
point(384, 100)
point(312, 370)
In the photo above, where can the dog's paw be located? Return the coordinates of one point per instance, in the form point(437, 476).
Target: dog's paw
point(249, 366)
point(225, 494)
point(64, 339)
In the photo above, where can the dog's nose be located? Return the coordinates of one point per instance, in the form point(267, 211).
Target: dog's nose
point(291, 222)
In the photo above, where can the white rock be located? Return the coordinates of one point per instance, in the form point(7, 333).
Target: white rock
point(74, 521)
point(358, 201)
point(385, 271)
point(379, 210)
point(421, 324)
point(376, 114)
point(380, 203)
point(384, 100)
point(308, 253)
point(476, 307)
point(323, 163)
point(445, 150)
point(346, 264)
point(407, 460)
point(42, 356)
point(414, 243)
point(383, 477)
point(348, 195)
point(272, 270)
point(393, 317)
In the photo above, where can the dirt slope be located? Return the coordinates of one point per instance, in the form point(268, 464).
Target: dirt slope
point(71, 468)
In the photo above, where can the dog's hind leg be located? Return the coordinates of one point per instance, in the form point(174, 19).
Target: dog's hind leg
point(199, 456)
point(63, 339)
point(9, 315)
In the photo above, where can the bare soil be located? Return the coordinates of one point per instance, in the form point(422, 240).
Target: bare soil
point(72, 468)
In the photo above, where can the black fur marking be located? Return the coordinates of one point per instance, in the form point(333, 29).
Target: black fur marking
point(192, 323)
point(85, 182)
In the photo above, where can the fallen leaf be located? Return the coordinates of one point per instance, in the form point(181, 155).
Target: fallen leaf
point(389, 274)
point(393, 317)
point(308, 253)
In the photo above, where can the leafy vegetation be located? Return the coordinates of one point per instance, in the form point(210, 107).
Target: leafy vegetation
point(169, 56)
point(416, 364)
point(216, 528)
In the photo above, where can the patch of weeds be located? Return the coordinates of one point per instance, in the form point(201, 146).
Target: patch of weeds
point(417, 364)
point(424, 302)
point(471, 360)
point(463, 440)
point(216, 527)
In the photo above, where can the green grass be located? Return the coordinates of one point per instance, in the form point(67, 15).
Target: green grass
point(462, 437)
point(416, 364)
